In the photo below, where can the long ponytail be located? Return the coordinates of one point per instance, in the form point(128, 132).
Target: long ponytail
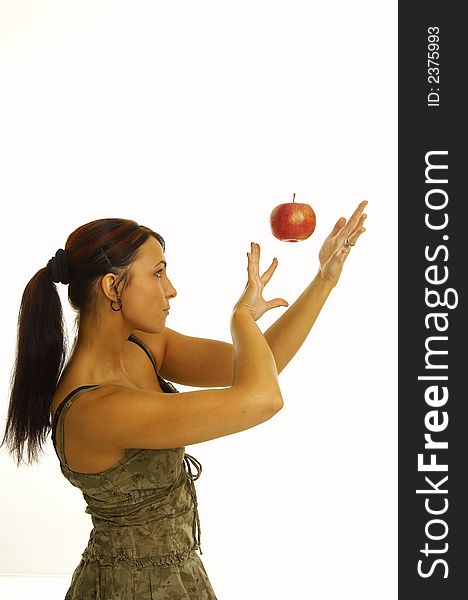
point(40, 354)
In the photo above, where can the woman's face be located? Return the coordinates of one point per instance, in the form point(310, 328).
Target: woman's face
point(147, 296)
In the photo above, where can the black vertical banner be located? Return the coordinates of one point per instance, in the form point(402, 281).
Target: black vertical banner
point(432, 265)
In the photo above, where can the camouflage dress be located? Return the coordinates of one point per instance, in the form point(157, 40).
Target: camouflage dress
point(146, 527)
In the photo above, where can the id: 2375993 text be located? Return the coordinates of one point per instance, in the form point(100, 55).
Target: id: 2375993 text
point(433, 67)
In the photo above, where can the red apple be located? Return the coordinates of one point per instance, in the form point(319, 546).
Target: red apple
point(292, 221)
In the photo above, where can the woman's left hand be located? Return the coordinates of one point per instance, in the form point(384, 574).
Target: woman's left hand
point(338, 244)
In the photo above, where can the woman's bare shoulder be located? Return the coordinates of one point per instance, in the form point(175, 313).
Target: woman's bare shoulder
point(66, 387)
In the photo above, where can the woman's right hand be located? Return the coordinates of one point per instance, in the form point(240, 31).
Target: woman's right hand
point(252, 299)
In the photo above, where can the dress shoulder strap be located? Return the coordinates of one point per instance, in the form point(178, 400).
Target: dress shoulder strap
point(137, 341)
point(166, 386)
point(62, 408)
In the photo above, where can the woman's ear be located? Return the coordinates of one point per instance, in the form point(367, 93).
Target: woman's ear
point(109, 286)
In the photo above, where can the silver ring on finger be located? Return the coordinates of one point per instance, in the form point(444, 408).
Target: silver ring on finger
point(348, 243)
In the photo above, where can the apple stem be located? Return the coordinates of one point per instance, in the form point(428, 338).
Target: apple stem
point(294, 195)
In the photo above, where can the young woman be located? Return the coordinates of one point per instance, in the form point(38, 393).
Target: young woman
point(118, 427)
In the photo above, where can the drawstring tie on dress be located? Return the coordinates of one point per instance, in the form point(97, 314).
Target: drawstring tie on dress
point(188, 462)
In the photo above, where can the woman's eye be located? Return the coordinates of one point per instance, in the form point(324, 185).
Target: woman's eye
point(157, 274)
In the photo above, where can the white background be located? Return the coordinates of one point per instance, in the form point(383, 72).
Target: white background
point(197, 119)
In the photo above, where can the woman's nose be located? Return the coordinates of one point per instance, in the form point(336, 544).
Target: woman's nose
point(172, 291)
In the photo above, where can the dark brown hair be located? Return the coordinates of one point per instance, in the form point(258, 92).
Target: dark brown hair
point(41, 337)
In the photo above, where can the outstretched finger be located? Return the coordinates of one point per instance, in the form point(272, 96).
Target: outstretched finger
point(256, 258)
point(359, 224)
point(269, 272)
point(352, 239)
point(338, 226)
point(351, 224)
point(250, 267)
point(276, 303)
